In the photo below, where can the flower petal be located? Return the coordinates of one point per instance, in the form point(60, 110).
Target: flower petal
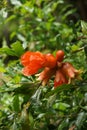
point(50, 61)
point(25, 58)
point(59, 78)
point(46, 74)
point(69, 70)
point(30, 69)
point(30, 57)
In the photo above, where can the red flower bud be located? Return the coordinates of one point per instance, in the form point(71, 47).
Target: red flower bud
point(60, 55)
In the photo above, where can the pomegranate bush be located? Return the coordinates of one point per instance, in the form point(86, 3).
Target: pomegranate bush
point(43, 66)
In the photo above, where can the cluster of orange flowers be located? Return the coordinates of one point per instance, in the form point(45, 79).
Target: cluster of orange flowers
point(63, 72)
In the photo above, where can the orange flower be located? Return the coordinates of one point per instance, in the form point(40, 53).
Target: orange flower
point(32, 62)
point(60, 78)
point(32, 57)
point(64, 72)
point(30, 69)
point(25, 58)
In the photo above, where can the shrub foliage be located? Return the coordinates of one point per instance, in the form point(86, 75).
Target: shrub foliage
point(44, 26)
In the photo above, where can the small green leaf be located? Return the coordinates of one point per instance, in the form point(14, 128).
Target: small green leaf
point(74, 47)
point(14, 126)
point(31, 120)
point(17, 48)
point(24, 118)
point(2, 69)
point(16, 2)
point(51, 100)
point(7, 51)
point(84, 87)
point(16, 105)
point(10, 18)
point(17, 79)
point(61, 106)
point(80, 119)
point(84, 27)
point(64, 124)
point(41, 115)
point(59, 89)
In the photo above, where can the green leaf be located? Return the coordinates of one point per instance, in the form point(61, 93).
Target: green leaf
point(24, 118)
point(41, 115)
point(85, 97)
point(14, 126)
point(84, 27)
point(26, 88)
point(16, 2)
point(64, 124)
point(61, 106)
point(31, 120)
point(68, 13)
point(10, 18)
point(16, 106)
point(2, 69)
point(80, 119)
point(7, 51)
point(83, 87)
point(17, 48)
point(59, 89)
point(74, 47)
point(51, 100)
point(36, 96)
point(17, 79)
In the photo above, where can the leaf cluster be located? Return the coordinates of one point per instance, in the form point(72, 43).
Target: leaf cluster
point(24, 103)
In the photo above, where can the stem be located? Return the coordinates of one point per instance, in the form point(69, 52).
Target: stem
point(80, 49)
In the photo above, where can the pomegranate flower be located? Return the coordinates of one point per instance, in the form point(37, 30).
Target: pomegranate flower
point(60, 78)
point(32, 57)
point(32, 62)
point(46, 74)
point(63, 72)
